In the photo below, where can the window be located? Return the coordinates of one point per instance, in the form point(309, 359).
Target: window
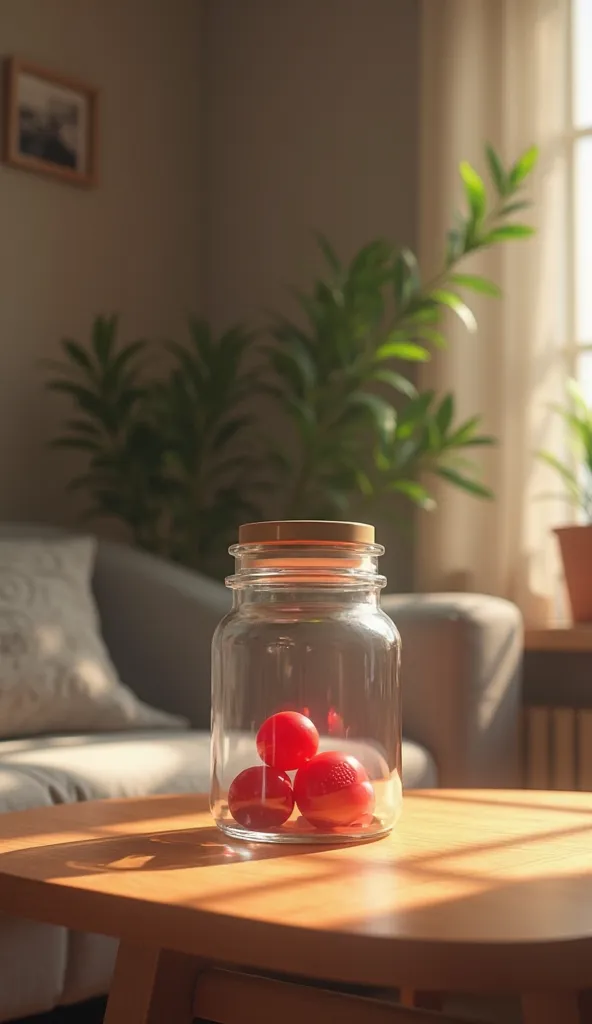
point(581, 212)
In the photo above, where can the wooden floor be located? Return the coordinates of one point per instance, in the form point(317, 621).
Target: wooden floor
point(86, 1013)
point(83, 1013)
point(490, 1011)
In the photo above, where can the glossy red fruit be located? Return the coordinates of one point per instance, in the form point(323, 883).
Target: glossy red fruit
point(287, 740)
point(261, 798)
point(333, 790)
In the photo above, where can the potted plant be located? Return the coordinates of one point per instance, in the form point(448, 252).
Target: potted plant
point(343, 377)
point(170, 453)
point(575, 540)
point(183, 455)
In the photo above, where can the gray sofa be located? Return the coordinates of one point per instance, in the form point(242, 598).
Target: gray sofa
point(461, 679)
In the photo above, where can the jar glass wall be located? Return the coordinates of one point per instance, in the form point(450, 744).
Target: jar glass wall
point(306, 709)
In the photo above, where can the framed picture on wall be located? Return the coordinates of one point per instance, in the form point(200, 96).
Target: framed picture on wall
point(50, 123)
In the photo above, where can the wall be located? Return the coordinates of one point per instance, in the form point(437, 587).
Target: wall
point(230, 129)
point(132, 244)
point(310, 123)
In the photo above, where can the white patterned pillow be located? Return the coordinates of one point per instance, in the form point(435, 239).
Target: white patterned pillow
point(55, 671)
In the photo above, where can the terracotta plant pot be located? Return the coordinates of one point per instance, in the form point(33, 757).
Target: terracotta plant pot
point(575, 543)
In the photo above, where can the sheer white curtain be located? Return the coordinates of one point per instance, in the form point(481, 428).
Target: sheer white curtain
point(495, 70)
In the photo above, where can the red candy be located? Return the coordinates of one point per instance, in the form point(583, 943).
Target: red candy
point(333, 790)
point(261, 798)
point(287, 740)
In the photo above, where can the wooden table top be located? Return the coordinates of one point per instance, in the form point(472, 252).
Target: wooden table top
point(472, 889)
point(566, 639)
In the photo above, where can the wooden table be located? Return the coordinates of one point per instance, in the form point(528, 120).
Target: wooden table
point(475, 891)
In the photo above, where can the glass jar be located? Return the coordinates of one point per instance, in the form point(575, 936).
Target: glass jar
point(306, 704)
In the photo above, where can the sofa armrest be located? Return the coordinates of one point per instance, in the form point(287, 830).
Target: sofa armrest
point(158, 620)
point(461, 680)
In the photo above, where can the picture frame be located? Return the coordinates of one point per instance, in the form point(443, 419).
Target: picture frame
point(50, 123)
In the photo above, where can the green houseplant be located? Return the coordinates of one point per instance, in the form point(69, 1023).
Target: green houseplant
point(359, 425)
point(575, 540)
point(182, 457)
point(169, 455)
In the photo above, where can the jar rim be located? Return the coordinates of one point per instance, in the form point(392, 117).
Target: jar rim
point(308, 579)
point(306, 531)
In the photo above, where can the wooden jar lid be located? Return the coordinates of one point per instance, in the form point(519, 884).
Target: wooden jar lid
point(306, 530)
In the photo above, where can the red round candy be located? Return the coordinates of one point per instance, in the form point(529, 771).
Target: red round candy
point(287, 740)
point(333, 790)
point(261, 798)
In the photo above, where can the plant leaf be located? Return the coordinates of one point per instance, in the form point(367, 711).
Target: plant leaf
point(579, 423)
point(475, 191)
point(452, 301)
point(508, 231)
point(329, 253)
point(85, 444)
point(229, 429)
point(403, 350)
point(84, 397)
point(523, 166)
point(430, 334)
point(382, 413)
point(576, 394)
point(521, 204)
point(426, 314)
point(498, 175)
point(371, 256)
point(103, 338)
point(406, 280)
point(303, 412)
point(299, 354)
point(463, 482)
point(476, 284)
point(84, 427)
point(565, 472)
point(465, 437)
point(396, 381)
point(415, 491)
point(364, 483)
point(445, 414)
point(455, 244)
point(126, 355)
point(77, 354)
point(415, 411)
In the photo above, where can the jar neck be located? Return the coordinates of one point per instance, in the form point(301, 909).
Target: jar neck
point(307, 567)
point(304, 597)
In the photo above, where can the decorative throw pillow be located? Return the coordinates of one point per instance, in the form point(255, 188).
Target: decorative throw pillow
point(55, 672)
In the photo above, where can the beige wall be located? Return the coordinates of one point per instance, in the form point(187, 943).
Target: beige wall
point(132, 244)
point(310, 123)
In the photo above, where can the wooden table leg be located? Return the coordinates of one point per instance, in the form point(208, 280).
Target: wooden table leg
point(551, 1008)
point(237, 998)
point(151, 986)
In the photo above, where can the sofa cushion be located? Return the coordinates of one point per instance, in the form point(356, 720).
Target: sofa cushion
point(98, 766)
point(20, 791)
point(55, 670)
point(419, 767)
